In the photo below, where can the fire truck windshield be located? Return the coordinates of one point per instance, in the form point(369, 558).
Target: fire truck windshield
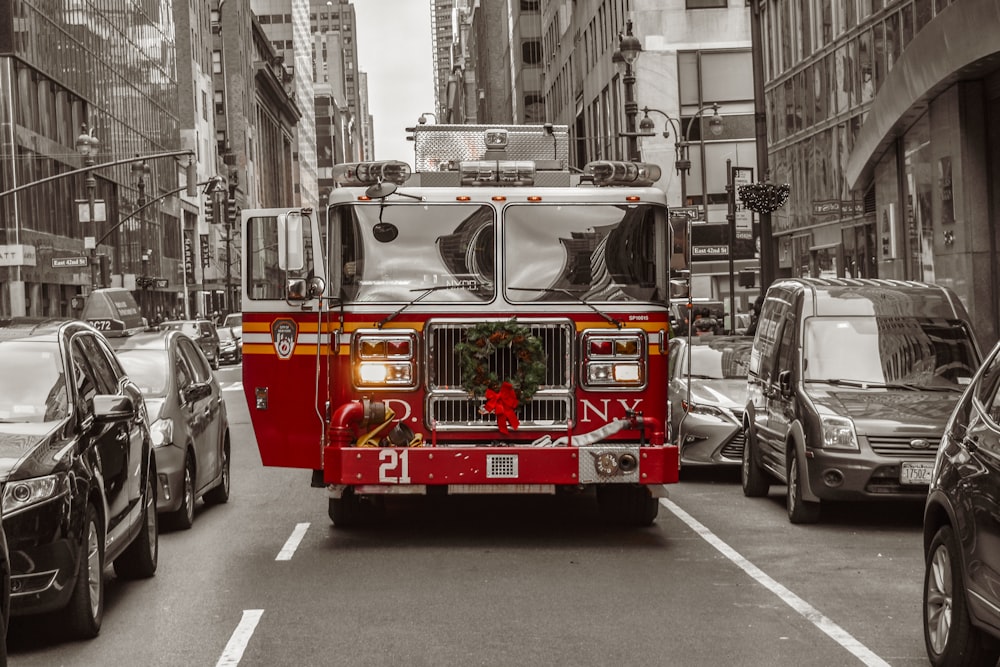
point(565, 252)
point(587, 252)
point(386, 255)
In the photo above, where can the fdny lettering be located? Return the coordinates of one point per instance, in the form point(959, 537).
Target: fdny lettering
point(283, 333)
point(399, 408)
point(590, 410)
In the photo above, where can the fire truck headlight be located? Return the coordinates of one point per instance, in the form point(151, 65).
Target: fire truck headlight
point(614, 359)
point(614, 374)
point(382, 374)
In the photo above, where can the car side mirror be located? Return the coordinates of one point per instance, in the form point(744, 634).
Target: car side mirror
point(785, 383)
point(196, 392)
point(113, 408)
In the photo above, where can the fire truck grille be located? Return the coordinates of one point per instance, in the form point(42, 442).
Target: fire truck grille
point(450, 405)
point(461, 412)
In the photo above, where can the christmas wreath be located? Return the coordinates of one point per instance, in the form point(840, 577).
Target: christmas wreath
point(764, 197)
point(482, 341)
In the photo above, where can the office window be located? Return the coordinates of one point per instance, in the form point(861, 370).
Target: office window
point(705, 4)
point(531, 52)
point(217, 62)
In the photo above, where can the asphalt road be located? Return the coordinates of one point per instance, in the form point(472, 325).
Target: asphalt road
point(718, 580)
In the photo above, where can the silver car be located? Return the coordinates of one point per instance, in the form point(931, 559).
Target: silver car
point(188, 420)
point(708, 386)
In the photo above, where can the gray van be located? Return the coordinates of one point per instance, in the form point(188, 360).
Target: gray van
point(849, 386)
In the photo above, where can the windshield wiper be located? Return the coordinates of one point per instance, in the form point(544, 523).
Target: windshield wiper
point(559, 290)
point(848, 383)
point(426, 291)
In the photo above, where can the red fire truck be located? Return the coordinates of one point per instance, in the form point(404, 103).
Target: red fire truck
point(491, 322)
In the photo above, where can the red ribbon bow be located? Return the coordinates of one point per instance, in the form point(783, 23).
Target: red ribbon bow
point(503, 403)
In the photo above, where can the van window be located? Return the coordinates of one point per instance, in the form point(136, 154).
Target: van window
point(762, 359)
point(914, 351)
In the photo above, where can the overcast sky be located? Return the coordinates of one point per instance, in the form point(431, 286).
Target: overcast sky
point(394, 48)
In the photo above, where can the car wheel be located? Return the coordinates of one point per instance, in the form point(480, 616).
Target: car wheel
point(215, 361)
point(627, 505)
point(220, 494)
point(799, 510)
point(85, 611)
point(949, 634)
point(754, 480)
point(139, 560)
point(183, 518)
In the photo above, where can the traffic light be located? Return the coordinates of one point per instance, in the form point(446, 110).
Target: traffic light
point(210, 208)
point(231, 209)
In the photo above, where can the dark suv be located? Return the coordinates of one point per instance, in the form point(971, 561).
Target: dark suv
point(204, 334)
point(77, 470)
point(962, 530)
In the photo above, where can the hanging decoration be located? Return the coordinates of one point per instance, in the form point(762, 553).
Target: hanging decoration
point(503, 395)
point(764, 197)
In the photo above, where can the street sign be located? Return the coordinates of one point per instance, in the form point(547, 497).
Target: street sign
point(66, 262)
point(690, 212)
point(100, 211)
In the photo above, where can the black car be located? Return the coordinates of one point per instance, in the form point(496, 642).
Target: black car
point(77, 470)
point(4, 595)
point(962, 530)
point(230, 346)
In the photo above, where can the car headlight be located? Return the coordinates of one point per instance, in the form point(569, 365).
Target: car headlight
point(162, 432)
point(705, 409)
point(838, 433)
point(23, 493)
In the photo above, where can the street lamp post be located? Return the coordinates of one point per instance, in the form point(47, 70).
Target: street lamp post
point(140, 170)
point(682, 158)
point(629, 48)
point(87, 145)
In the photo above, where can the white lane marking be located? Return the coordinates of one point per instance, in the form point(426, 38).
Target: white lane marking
point(810, 613)
point(293, 542)
point(233, 652)
point(232, 386)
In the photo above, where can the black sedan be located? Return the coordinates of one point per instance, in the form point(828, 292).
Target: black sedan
point(962, 530)
point(78, 471)
point(188, 420)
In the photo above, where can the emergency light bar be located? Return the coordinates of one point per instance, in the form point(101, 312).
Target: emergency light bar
point(370, 173)
point(607, 172)
point(505, 172)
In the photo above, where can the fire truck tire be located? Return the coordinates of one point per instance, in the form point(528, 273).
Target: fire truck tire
point(627, 504)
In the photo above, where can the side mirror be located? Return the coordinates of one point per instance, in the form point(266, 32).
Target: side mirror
point(196, 391)
point(113, 408)
point(291, 250)
point(785, 383)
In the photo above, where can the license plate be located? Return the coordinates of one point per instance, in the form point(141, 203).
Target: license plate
point(915, 473)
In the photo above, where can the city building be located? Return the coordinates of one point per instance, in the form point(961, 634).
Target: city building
point(685, 103)
point(95, 92)
point(883, 118)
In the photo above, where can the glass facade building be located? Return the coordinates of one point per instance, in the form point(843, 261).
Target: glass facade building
point(885, 119)
point(108, 66)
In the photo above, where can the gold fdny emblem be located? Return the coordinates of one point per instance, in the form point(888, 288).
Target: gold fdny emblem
point(283, 334)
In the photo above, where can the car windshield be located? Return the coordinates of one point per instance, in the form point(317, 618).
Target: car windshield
point(233, 320)
point(721, 359)
point(33, 388)
point(911, 351)
point(148, 369)
point(225, 333)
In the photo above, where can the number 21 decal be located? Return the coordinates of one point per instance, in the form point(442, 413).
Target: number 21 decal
point(394, 466)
